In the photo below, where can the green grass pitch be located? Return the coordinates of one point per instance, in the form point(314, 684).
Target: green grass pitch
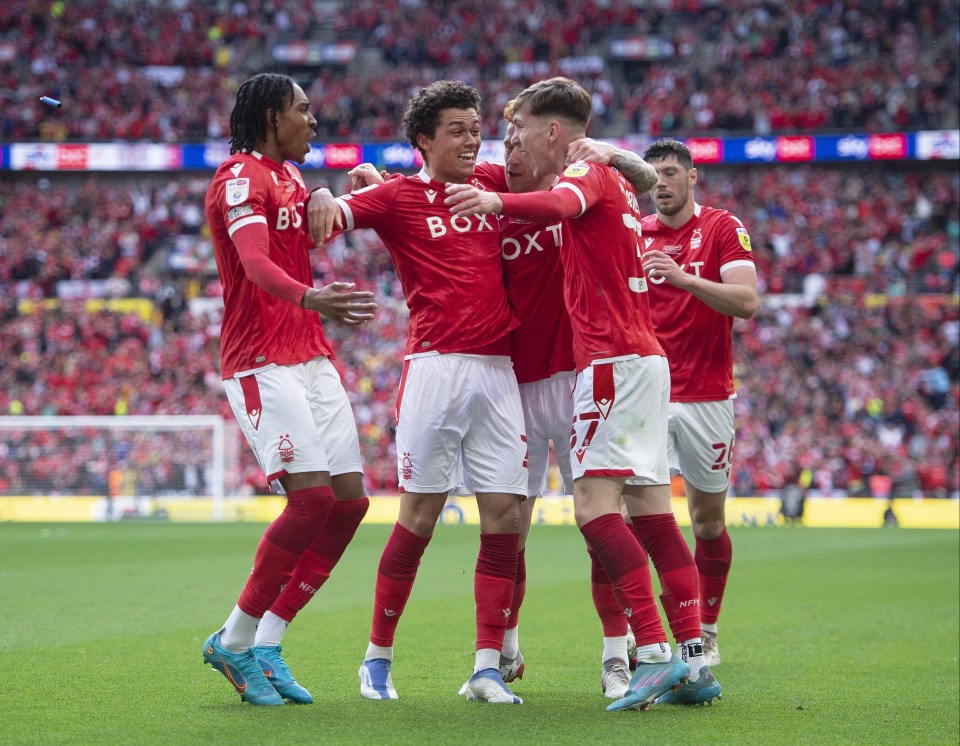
point(827, 636)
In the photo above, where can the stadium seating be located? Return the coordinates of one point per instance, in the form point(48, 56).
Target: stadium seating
point(848, 378)
point(166, 72)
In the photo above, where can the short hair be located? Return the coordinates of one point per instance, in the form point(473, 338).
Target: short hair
point(665, 147)
point(556, 97)
point(255, 97)
point(508, 110)
point(423, 112)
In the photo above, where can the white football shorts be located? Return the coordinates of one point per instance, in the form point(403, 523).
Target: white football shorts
point(700, 438)
point(296, 418)
point(460, 413)
point(620, 420)
point(548, 415)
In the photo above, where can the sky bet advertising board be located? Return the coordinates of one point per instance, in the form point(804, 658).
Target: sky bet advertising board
point(400, 156)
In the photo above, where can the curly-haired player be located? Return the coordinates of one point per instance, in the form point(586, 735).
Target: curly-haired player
point(459, 403)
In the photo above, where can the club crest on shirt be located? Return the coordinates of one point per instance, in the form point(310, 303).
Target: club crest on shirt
point(476, 183)
point(744, 239)
point(576, 169)
point(237, 191)
point(696, 239)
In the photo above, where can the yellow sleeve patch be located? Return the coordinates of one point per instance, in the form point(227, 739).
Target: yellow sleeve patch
point(744, 239)
point(576, 169)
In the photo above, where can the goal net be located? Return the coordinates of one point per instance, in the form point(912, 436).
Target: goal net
point(127, 460)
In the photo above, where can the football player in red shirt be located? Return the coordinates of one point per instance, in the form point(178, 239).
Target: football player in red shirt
point(458, 405)
point(542, 354)
point(283, 389)
point(541, 350)
point(618, 447)
point(702, 276)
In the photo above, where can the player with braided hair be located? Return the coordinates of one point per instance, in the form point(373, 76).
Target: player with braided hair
point(280, 382)
point(248, 123)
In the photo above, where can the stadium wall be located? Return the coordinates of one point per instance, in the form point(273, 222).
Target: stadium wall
point(741, 511)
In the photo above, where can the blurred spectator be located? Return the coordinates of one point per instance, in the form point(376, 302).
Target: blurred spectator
point(138, 70)
point(847, 387)
point(819, 230)
point(848, 378)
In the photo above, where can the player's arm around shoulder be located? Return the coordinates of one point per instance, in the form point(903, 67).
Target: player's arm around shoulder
point(325, 214)
point(641, 175)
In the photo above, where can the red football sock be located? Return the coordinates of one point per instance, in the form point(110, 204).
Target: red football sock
point(660, 536)
point(626, 565)
point(713, 557)
point(519, 590)
point(318, 561)
point(493, 584)
point(609, 609)
point(282, 545)
point(395, 576)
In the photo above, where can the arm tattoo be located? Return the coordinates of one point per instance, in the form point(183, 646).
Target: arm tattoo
point(636, 170)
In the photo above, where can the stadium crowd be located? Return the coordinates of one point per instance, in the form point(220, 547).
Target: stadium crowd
point(878, 65)
point(850, 371)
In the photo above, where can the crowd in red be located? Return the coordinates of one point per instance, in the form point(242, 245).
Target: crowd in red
point(167, 72)
point(850, 371)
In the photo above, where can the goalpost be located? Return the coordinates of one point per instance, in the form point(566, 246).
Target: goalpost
point(126, 459)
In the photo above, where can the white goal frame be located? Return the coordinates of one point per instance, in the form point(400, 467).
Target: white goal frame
point(141, 423)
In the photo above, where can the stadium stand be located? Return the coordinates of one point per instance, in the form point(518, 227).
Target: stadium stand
point(137, 71)
point(851, 371)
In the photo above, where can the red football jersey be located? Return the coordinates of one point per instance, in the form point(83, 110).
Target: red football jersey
point(696, 338)
point(250, 193)
point(449, 266)
point(543, 343)
point(604, 287)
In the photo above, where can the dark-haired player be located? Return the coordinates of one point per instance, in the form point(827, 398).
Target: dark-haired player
point(618, 446)
point(703, 276)
point(283, 389)
point(458, 404)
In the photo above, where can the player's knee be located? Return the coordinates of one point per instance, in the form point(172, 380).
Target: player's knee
point(707, 527)
point(305, 480)
point(502, 516)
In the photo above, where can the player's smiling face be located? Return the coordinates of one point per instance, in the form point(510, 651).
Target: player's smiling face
point(532, 138)
point(451, 154)
point(671, 193)
point(519, 171)
point(295, 128)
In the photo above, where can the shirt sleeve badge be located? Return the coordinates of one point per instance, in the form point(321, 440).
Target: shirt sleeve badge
point(237, 191)
point(744, 239)
point(576, 169)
